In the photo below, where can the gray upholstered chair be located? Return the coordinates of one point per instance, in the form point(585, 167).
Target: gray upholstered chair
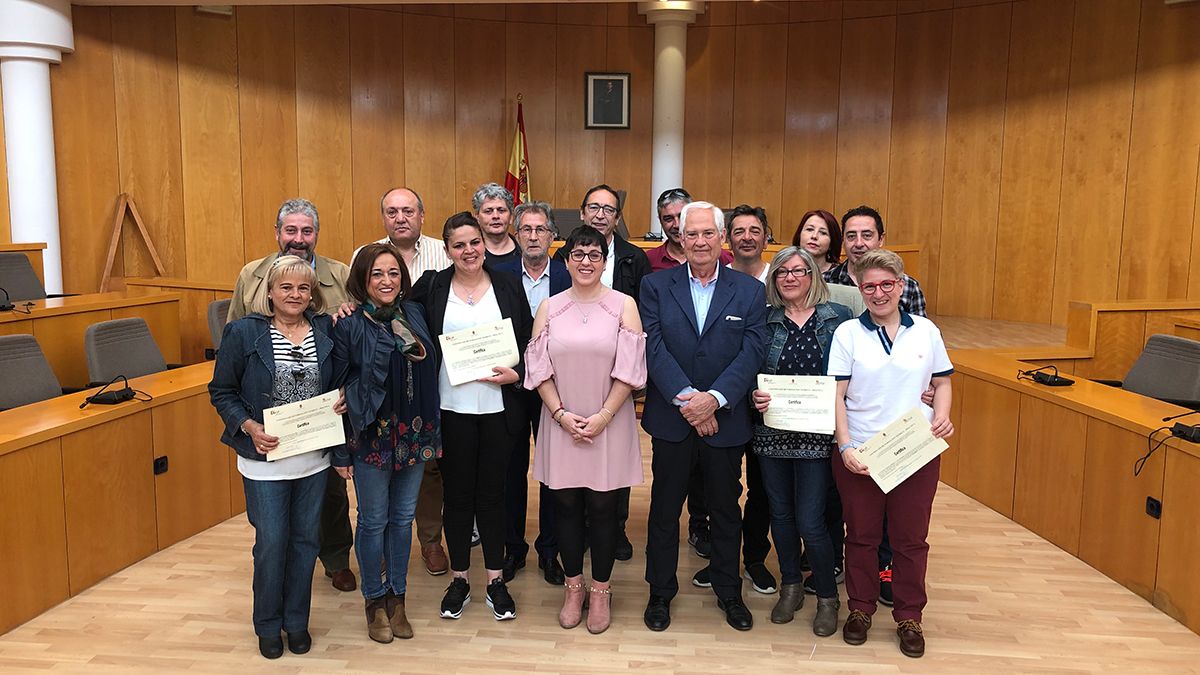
point(1168, 369)
point(218, 311)
point(28, 377)
point(18, 278)
point(121, 347)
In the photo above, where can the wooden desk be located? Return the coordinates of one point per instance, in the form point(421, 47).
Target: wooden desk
point(195, 297)
point(32, 251)
point(79, 499)
point(59, 325)
point(1059, 460)
point(1188, 328)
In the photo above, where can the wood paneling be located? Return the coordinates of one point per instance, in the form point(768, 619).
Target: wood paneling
point(323, 156)
point(1177, 587)
point(756, 176)
point(631, 50)
point(708, 114)
point(1104, 47)
point(949, 469)
point(865, 113)
point(61, 339)
point(148, 136)
point(918, 147)
point(1114, 500)
point(1034, 122)
point(810, 122)
point(108, 481)
point(1119, 340)
point(193, 495)
point(480, 132)
point(1048, 499)
point(267, 106)
point(211, 156)
point(163, 320)
point(531, 52)
point(987, 461)
point(429, 116)
point(578, 49)
point(376, 115)
point(974, 130)
point(32, 520)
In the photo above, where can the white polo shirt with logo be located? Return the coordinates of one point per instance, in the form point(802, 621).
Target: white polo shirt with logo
point(887, 377)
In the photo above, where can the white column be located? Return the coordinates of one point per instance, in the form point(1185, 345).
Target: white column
point(33, 34)
point(670, 20)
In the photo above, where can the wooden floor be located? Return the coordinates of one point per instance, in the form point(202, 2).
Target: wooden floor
point(1001, 600)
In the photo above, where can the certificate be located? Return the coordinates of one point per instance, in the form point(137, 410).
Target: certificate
point(900, 450)
point(471, 353)
point(799, 402)
point(304, 426)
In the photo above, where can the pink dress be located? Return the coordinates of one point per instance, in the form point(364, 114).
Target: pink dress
point(584, 348)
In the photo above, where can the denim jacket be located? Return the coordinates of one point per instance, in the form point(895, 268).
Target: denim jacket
point(829, 316)
point(244, 376)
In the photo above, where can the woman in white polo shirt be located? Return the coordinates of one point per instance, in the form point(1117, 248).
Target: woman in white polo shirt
point(883, 361)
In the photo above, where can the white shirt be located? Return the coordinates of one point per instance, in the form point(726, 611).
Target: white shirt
point(430, 255)
point(472, 398)
point(536, 290)
point(886, 377)
point(762, 276)
point(606, 277)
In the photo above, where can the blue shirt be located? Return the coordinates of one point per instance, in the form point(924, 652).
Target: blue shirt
point(702, 295)
point(536, 290)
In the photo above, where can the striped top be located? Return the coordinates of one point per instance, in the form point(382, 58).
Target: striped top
point(431, 255)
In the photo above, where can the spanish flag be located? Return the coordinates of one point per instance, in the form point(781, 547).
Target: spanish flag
point(516, 181)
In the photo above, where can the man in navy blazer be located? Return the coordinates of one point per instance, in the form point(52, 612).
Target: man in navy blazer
point(541, 276)
point(705, 341)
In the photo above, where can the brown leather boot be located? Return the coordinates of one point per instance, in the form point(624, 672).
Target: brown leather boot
point(912, 638)
point(378, 627)
point(401, 628)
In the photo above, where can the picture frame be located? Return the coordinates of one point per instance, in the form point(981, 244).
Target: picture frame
point(606, 100)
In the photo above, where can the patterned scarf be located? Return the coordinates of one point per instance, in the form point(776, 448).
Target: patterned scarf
point(406, 342)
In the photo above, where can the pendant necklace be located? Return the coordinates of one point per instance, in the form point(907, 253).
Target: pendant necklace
point(579, 306)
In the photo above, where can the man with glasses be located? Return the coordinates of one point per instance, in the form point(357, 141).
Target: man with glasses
point(541, 277)
point(705, 340)
point(670, 253)
point(297, 227)
point(862, 231)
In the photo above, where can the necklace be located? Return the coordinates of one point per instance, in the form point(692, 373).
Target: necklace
point(290, 333)
point(579, 306)
point(471, 292)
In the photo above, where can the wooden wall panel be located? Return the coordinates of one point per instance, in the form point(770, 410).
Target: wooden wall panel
point(108, 482)
point(1120, 337)
point(950, 458)
point(1031, 174)
point(193, 495)
point(756, 172)
point(865, 114)
point(988, 438)
point(814, 58)
point(1116, 536)
point(531, 53)
point(974, 130)
point(1177, 587)
point(1194, 275)
point(211, 155)
point(148, 141)
point(579, 49)
point(85, 149)
point(376, 115)
point(626, 155)
point(1160, 197)
point(267, 108)
point(480, 135)
point(918, 146)
point(708, 114)
point(32, 519)
point(1051, 443)
point(429, 116)
point(323, 153)
point(1095, 153)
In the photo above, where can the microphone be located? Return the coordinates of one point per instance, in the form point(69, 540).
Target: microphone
point(104, 397)
point(6, 306)
point(1175, 417)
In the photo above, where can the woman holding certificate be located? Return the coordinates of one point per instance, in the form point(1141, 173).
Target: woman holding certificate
point(278, 354)
point(883, 362)
point(382, 356)
point(795, 464)
point(480, 417)
point(588, 357)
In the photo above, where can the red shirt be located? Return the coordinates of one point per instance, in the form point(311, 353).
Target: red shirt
point(661, 260)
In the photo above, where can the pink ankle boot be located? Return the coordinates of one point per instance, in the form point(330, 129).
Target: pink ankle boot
point(572, 610)
point(599, 614)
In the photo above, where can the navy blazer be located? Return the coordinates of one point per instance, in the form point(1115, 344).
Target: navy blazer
point(725, 354)
point(560, 278)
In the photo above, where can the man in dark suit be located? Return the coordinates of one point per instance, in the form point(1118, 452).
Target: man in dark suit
point(542, 277)
point(623, 271)
point(705, 340)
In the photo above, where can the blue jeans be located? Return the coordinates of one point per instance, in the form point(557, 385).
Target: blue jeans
point(387, 503)
point(796, 491)
point(286, 515)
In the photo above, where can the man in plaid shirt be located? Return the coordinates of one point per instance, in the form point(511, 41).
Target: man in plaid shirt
point(862, 231)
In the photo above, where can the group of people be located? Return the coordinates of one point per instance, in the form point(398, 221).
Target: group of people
point(689, 323)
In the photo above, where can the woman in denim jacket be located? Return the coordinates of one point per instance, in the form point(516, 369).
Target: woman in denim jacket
point(278, 354)
point(795, 465)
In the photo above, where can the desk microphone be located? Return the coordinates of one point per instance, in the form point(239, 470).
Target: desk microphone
point(6, 306)
point(1175, 417)
point(103, 397)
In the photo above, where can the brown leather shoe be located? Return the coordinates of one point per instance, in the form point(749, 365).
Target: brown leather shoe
point(912, 638)
point(343, 580)
point(401, 628)
point(435, 559)
point(378, 627)
point(854, 632)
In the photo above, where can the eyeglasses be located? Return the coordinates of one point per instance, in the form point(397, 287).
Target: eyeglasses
point(885, 286)
point(600, 208)
point(594, 256)
point(539, 230)
point(706, 235)
point(798, 273)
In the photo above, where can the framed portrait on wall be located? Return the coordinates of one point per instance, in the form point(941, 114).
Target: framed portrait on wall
point(606, 100)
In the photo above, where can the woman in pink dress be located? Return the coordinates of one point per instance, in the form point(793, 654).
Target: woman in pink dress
point(586, 359)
